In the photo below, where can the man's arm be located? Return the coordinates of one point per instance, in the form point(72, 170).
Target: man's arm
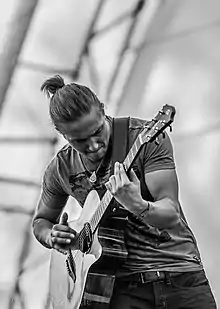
point(43, 221)
point(49, 229)
point(49, 232)
point(163, 185)
point(161, 180)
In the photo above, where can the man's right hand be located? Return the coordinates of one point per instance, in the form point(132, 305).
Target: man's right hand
point(62, 237)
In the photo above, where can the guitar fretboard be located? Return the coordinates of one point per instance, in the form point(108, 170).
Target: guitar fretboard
point(148, 133)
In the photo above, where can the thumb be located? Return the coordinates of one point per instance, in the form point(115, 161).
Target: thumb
point(64, 219)
point(133, 177)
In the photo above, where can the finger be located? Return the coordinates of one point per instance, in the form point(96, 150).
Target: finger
point(61, 249)
point(64, 219)
point(123, 175)
point(114, 183)
point(62, 234)
point(111, 184)
point(133, 177)
point(116, 168)
point(108, 186)
point(60, 241)
point(119, 175)
point(60, 228)
point(63, 228)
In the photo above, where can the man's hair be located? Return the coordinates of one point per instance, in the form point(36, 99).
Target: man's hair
point(68, 102)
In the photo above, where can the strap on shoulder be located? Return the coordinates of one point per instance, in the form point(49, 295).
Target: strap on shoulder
point(120, 140)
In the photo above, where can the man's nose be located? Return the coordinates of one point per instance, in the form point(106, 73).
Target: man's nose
point(93, 145)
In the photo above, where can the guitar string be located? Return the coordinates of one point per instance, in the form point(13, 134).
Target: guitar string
point(107, 196)
point(127, 162)
point(133, 151)
point(105, 200)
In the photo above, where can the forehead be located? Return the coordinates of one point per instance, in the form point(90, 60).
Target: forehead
point(84, 126)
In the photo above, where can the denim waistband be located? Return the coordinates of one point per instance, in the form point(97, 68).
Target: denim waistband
point(149, 276)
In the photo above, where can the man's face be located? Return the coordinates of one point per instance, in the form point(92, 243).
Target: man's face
point(89, 135)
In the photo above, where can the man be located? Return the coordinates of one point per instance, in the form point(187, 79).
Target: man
point(163, 268)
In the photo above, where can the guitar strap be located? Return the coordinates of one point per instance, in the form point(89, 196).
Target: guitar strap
point(120, 140)
point(99, 286)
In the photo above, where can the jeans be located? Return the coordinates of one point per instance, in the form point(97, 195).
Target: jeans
point(189, 290)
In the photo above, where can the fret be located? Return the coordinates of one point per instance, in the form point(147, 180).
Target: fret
point(130, 157)
point(133, 152)
point(100, 210)
point(136, 146)
point(140, 140)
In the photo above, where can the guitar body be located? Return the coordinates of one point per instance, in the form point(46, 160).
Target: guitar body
point(64, 293)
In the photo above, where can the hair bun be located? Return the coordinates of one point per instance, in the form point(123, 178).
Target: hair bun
point(51, 85)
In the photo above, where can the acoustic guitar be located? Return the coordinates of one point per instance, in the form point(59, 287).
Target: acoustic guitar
point(68, 273)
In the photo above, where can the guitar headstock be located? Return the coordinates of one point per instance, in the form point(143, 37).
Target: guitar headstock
point(158, 124)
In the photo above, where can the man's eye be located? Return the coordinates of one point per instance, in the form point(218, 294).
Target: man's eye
point(81, 140)
point(99, 130)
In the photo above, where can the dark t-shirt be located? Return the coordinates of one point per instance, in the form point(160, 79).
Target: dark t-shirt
point(148, 247)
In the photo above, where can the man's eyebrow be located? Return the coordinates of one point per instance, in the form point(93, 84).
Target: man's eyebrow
point(84, 138)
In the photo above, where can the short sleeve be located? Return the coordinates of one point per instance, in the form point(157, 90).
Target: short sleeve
point(53, 194)
point(159, 156)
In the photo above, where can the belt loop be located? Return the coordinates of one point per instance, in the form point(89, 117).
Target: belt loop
point(167, 278)
point(142, 278)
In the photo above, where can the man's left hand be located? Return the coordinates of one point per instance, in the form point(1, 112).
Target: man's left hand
point(126, 190)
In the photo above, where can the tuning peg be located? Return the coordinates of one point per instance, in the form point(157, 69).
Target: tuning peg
point(171, 129)
point(163, 134)
point(157, 141)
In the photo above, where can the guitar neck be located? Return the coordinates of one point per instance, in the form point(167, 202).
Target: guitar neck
point(149, 133)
